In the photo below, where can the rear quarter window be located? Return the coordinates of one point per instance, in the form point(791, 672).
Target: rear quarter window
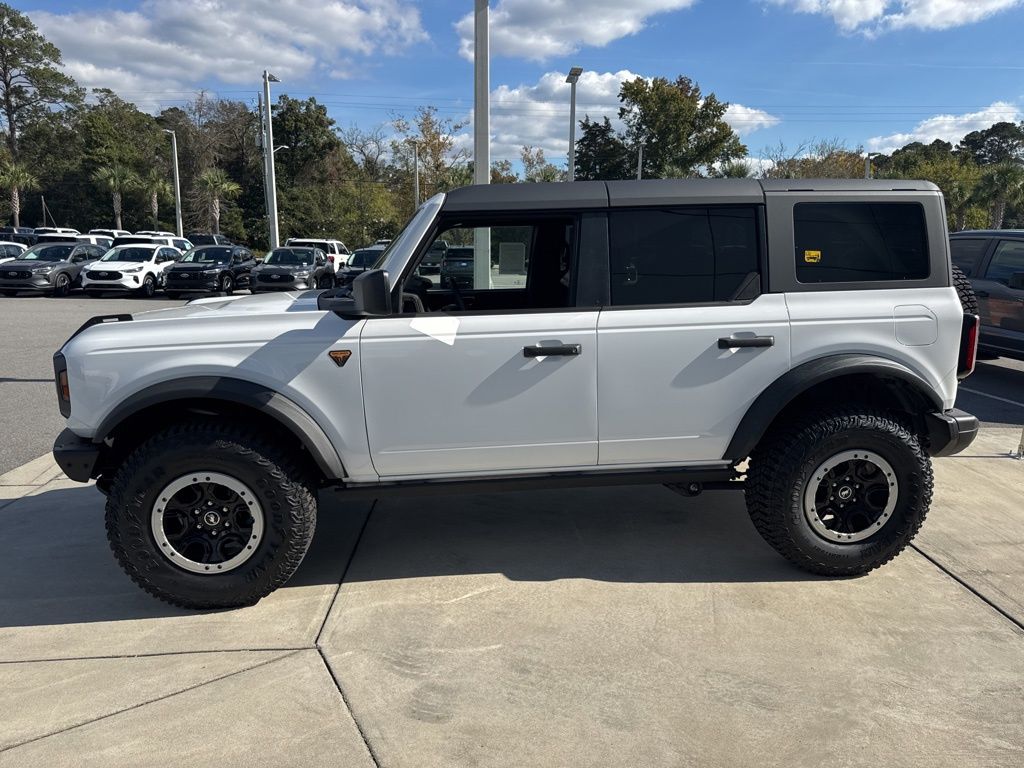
point(860, 242)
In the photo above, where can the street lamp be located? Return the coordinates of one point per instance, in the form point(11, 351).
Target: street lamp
point(268, 157)
point(177, 182)
point(867, 163)
point(481, 134)
point(572, 79)
point(279, 147)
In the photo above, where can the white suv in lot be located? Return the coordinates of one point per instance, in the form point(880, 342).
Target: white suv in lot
point(137, 268)
point(799, 340)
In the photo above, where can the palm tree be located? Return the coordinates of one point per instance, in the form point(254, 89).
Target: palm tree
point(116, 179)
point(215, 185)
point(155, 185)
point(18, 179)
point(1001, 185)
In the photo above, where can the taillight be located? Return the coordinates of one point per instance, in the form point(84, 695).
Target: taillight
point(968, 346)
point(60, 377)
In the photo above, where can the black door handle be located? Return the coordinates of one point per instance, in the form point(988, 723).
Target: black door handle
point(732, 342)
point(561, 350)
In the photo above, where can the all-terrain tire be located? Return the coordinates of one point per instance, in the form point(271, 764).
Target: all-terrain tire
point(283, 486)
point(783, 464)
point(964, 289)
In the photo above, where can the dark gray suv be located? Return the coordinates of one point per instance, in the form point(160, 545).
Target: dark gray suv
point(993, 261)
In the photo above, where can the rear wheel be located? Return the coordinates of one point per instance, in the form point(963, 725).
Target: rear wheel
point(206, 515)
point(839, 493)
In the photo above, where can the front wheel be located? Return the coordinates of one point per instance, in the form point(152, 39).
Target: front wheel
point(148, 289)
point(839, 493)
point(62, 285)
point(209, 515)
point(227, 285)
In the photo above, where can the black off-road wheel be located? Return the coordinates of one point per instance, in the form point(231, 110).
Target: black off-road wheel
point(839, 493)
point(964, 289)
point(206, 515)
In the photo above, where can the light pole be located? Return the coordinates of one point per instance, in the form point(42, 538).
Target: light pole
point(481, 134)
point(867, 163)
point(416, 173)
point(268, 157)
point(572, 79)
point(177, 182)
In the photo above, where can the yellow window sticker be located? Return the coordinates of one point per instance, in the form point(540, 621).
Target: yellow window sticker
point(812, 257)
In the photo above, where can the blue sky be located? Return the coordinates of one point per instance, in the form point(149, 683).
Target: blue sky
point(874, 73)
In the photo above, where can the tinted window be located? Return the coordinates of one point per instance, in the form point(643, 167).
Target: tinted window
point(48, 252)
point(1007, 261)
point(129, 254)
point(967, 253)
point(860, 242)
point(291, 256)
point(683, 255)
point(207, 255)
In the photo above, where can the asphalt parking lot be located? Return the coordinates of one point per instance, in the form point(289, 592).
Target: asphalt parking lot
point(624, 626)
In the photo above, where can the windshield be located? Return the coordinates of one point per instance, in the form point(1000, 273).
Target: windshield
point(48, 252)
point(127, 253)
point(365, 258)
point(206, 256)
point(290, 256)
point(396, 255)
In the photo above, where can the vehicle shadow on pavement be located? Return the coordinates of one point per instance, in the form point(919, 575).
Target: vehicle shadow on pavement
point(56, 566)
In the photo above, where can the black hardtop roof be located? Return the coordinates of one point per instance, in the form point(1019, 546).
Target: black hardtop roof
point(613, 194)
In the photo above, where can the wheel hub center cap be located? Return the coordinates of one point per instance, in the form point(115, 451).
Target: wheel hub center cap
point(845, 493)
point(211, 518)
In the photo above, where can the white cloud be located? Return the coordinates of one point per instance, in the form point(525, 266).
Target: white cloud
point(538, 115)
point(164, 48)
point(874, 16)
point(949, 128)
point(540, 30)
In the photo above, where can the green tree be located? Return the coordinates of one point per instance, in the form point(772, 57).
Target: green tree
point(1000, 143)
point(820, 159)
point(502, 173)
point(735, 169)
point(31, 81)
point(601, 154)
point(536, 168)
point(683, 131)
point(17, 179)
point(116, 179)
point(215, 185)
point(443, 165)
point(1000, 186)
point(156, 187)
point(309, 134)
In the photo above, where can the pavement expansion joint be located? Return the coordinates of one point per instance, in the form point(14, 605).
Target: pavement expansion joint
point(348, 708)
point(141, 704)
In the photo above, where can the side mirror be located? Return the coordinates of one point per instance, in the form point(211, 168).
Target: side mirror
point(1017, 281)
point(369, 295)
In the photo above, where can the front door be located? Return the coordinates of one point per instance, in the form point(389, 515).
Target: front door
point(497, 377)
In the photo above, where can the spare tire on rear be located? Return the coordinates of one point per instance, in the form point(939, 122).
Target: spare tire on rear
point(968, 300)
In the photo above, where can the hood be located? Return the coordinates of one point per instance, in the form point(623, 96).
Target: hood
point(197, 267)
point(22, 264)
point(261, 304)
point(115, 266)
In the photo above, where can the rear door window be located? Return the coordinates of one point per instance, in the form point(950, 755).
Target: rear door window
point(684, 256)
point(860, 242)
point(967, 253)
point(1007, 261)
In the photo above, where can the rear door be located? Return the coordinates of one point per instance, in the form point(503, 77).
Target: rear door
point(1001, 297)
point(689, 340)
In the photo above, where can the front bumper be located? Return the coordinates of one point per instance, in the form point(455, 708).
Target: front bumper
point(296, 285)
point(76, 456)
point(126, 283)
point(196, 284)
point(40, 283)
point(950, 432)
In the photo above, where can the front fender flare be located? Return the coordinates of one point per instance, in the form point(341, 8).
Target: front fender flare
point(280, 408)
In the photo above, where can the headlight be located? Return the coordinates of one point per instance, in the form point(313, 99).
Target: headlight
point(211, 272)
point(302, 274)
point(42, 270)
point(133, 269)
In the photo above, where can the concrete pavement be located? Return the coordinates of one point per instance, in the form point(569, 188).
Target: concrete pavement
point(586, 628)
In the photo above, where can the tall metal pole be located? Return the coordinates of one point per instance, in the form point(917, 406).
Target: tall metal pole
point(640, 164)
point(572, 133)
point(177, 183)
point(268, 154)
point(481, 134)
point(867, 167)
point(416, 175)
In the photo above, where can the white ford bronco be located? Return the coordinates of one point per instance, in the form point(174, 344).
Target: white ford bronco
point(798, 340)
